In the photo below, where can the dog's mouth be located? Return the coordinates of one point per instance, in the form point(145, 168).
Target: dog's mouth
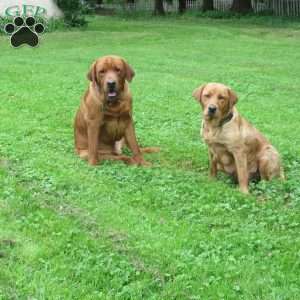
point(112, 94)
point(112, 97)
point(209, 116)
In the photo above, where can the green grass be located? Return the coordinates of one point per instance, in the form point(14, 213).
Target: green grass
point(70, 231)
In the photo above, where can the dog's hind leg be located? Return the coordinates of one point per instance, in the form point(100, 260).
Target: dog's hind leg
point(103, 155)
point(83, 153)
point(149, 149)
point(270, 164)
point(126, 159)
point(120, 144)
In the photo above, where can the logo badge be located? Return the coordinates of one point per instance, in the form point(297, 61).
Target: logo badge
point(24, 31)
point(27, 23)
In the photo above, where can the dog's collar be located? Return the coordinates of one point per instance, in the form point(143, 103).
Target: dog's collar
point(106, 106)
point(226, 119)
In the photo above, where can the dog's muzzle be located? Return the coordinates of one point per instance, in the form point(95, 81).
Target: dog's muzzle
point(212, 110)
point(112, 93)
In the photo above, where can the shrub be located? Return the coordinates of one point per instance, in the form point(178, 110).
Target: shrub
point(73, 12)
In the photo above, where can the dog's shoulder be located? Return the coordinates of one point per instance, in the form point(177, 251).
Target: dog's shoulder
point(252, 137)
point(92, 103)
point(126, 102)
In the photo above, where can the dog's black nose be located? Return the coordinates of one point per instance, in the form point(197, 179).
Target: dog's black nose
point(212, 109)
point(111, 84)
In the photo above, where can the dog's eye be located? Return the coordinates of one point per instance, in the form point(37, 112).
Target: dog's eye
point(102, 72)
point(207, 95)
point(221, 98)
point(118, 70)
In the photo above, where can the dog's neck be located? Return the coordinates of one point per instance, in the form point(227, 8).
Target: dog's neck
point(218, 124)
point(226, 119)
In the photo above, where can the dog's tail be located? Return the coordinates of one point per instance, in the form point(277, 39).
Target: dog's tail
point(150, 149)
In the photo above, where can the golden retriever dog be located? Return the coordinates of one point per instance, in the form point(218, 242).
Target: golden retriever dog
point(103, 122)
point(234, 145)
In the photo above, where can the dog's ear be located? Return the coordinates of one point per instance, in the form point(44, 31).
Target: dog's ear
point(197, 93)
point(233, 98)
point(129, 72)
point(92, 74)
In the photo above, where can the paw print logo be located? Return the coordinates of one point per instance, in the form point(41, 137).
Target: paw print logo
point(24, 31)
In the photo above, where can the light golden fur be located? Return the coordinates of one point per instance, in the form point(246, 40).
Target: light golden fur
point(234, 145)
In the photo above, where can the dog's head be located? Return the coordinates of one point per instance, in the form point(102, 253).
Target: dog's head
point(109, 73)
point(216, 99)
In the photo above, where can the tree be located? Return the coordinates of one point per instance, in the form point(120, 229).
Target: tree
point(94, 2)
point(208, 5)
point(159, 8)
point(242, 6)
point(181, 6)
point(73, 12)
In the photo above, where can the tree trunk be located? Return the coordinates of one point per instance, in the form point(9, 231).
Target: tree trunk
point(208, 5)
point(182, 6)
point(242, 6)
point(159, 8)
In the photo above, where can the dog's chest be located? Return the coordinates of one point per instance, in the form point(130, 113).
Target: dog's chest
point(216, 139)
point(115, 127)
point(225, 135)
point(211, 135)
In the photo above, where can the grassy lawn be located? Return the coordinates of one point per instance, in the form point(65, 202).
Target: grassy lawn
point(70, 231)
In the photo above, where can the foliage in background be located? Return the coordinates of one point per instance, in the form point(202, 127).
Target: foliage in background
point(74, 11)
point(265, 18)
point(242, 7)
point(3, 21)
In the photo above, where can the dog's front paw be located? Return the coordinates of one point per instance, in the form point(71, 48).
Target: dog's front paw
point(212, 176)
point(244, 190)
point(145, 163)
point(140, 161)
point(93, 161)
